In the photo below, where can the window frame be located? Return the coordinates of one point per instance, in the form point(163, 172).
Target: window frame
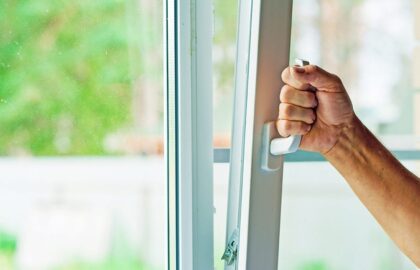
point(188, 131)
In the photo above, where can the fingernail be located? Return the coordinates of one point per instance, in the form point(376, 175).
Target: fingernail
point(299, 69)
point(308, 128)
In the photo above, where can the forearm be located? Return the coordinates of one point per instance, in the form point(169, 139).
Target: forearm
point(386, 188)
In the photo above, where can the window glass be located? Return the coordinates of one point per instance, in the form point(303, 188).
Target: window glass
point(325, 226)
point(221, 184)
point(224, 54)
point(224, 57)
point(369, 44)
point(81, 134)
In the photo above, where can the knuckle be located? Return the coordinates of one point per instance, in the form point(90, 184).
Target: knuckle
point(312, 69)
point(286, 110)
point(304, 128)
point(314, 102)
point(337, 80)
point(285, 93)
point(301, 127)
point(285, 75)
point(283, 128)
point(306, 116)
point(311, 117)
point(310, 98)
point(287, 125)
point(281, 110)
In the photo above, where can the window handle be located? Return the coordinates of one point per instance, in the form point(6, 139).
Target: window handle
point(274, 148)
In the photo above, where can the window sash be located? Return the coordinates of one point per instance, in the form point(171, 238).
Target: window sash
point(254, 194)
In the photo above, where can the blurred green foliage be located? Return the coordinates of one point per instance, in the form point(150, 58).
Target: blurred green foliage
point(65, 78)
point(7, 242)
point(224, 38)
point(224, 53)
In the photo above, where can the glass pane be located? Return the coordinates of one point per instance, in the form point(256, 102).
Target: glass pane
point(82, 133)
point(325, 226)
point(221, 184)
point(224, 54)
point(369, 44)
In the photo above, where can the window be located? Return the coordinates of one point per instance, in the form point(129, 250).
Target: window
point(370, 48)
point(105, 105)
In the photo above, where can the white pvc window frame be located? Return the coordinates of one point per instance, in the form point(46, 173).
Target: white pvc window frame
point(255, 194)
point(189, 146)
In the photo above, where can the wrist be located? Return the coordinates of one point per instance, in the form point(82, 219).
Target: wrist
point(348, 136)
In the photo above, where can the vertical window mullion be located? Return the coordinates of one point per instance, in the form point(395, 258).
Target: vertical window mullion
point(189, 144)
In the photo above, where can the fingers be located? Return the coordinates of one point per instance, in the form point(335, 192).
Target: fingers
point(303, 77)
point(289, 77)
point(293, 119)
point(304, 99)
point(295, 113)
point(287, 128)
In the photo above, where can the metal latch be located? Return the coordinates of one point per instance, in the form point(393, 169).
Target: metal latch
point(231, 250)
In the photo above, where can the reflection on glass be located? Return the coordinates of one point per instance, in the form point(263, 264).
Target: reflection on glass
point(81, 80)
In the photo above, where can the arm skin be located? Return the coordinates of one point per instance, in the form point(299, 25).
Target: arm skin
point(315, 104)
point(386, 188)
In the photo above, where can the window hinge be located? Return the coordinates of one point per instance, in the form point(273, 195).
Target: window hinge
point(231, 249)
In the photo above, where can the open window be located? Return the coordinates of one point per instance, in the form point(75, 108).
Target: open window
point(81, 131)
point(262, 53)
point(270, 35)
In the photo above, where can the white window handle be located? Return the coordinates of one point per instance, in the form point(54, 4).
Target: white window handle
point(272, 147)
point(282, 146)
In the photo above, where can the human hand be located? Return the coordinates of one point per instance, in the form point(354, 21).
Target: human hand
point(315, 104)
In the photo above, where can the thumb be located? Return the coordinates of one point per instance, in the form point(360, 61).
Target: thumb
point(317, 77)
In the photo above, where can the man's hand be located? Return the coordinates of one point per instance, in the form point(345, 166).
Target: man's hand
point(315, 104)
